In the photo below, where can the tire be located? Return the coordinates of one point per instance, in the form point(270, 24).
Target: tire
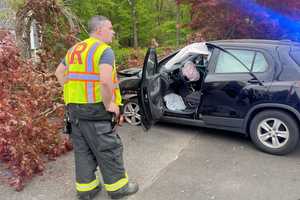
point(132, 112)
point(275, 132)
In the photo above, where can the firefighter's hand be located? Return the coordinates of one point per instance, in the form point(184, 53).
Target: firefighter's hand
point(114, 109)
point(121, 120)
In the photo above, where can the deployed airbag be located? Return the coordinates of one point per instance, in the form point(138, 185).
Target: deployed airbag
point(190, 72)
point(174, 102)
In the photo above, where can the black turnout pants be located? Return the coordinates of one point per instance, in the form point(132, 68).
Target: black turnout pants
point(96, 144)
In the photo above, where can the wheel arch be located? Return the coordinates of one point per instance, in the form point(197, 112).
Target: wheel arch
point(268, 106)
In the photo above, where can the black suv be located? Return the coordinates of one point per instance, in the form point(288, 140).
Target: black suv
point(247, 86)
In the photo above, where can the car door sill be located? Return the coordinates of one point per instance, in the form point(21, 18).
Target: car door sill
point(198, 123)
point(192, 122)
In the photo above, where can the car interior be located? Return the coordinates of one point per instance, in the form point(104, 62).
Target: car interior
point(182, 84)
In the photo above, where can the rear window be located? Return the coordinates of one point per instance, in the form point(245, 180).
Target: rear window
point(254, 60)
point(295, 54)
point(290, 62)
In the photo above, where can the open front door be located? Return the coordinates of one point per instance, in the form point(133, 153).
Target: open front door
point(150, 94)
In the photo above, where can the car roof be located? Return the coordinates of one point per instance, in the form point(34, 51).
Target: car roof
point(256, 42)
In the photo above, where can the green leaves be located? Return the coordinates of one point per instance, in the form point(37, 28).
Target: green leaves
point(155, 19)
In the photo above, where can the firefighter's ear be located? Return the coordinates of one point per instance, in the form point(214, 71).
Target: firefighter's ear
point(97, 31)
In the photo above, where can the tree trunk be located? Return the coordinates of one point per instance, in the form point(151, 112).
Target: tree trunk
point(134, 23)
point(177, 24)
point(159, 4)
point(23, 21)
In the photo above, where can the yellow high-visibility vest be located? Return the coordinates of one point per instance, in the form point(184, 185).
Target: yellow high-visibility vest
point(82, 73)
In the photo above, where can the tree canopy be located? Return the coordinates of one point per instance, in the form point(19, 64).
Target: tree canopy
point(154, 19)
point(262, 19)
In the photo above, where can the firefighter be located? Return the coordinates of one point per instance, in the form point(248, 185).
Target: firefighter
point(92, 97)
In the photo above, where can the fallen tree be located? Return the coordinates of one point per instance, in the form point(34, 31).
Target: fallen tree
point(30, 116)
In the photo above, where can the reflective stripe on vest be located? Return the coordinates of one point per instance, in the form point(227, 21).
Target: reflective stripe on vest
point(89, 64)
point(82, 73)
point(116, 89)
point(82, 76)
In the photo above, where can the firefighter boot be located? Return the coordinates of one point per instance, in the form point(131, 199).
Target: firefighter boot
point(129, 189)
point(90, 194)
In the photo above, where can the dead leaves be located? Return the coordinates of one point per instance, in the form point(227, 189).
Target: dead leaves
point(27, 109)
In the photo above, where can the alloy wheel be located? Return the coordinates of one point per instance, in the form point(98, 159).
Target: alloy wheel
point(131, 113)
point(273, 133)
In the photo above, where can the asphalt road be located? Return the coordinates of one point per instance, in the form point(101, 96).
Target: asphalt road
point(173, 162)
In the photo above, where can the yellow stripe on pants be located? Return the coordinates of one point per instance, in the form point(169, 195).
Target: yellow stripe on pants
point(85, 187)
point(117, 185)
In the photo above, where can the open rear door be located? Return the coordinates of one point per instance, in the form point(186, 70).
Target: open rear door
point(150, 94)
